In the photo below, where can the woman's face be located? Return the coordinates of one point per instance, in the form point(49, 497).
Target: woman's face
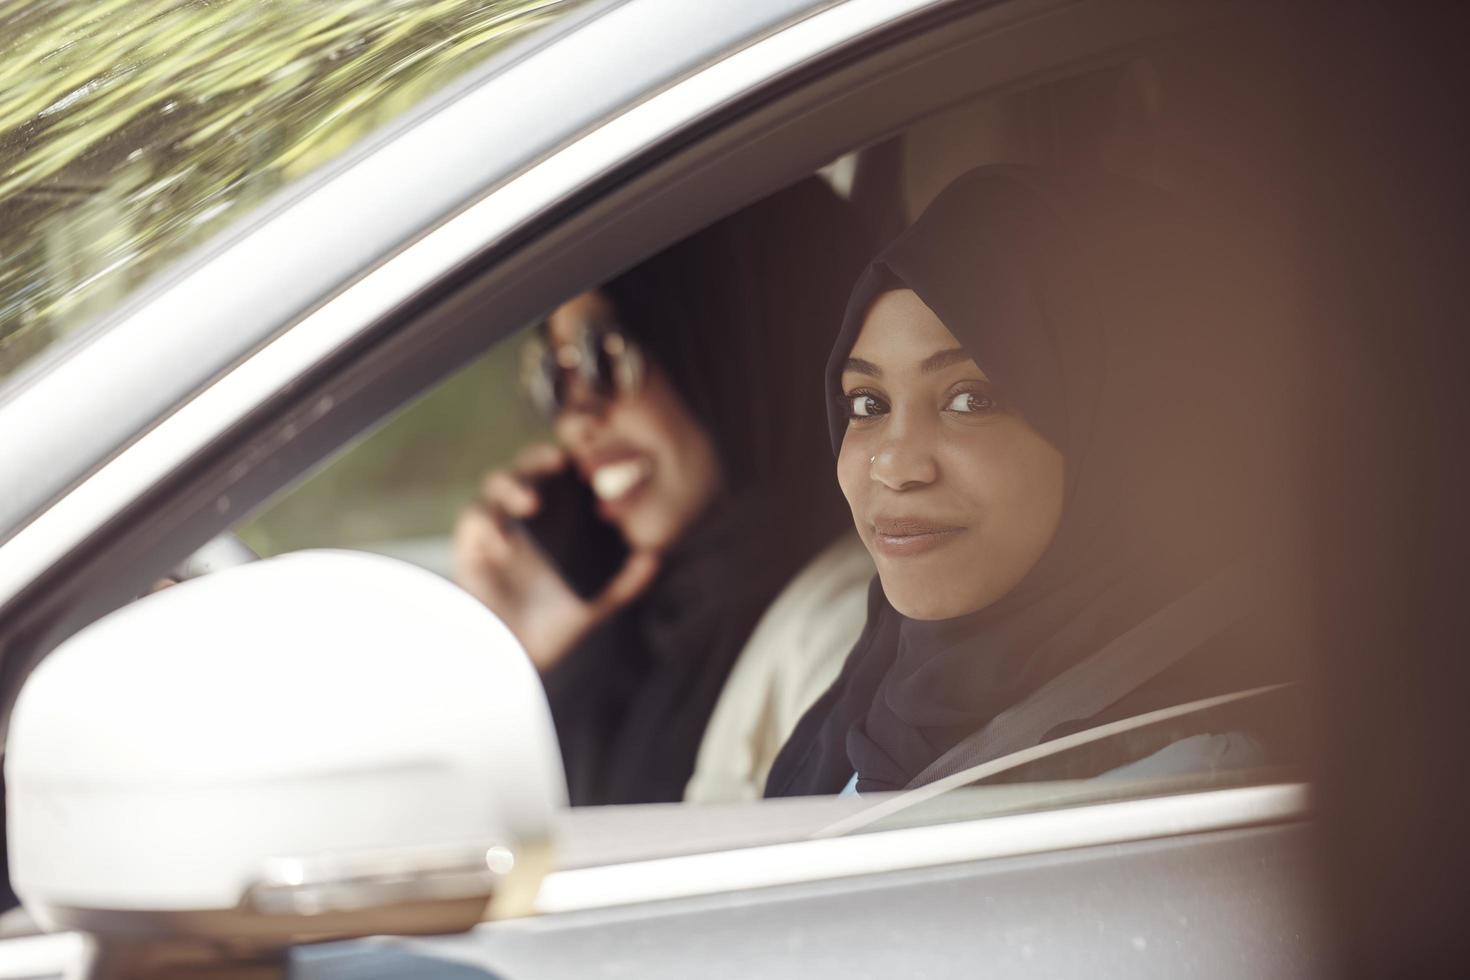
point(955, 496)
point(651, 464)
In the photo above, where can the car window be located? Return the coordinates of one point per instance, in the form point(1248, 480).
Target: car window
point(131, 133)
point(410, 489)
point(398, 490)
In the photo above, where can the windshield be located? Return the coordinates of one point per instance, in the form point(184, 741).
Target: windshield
point(132, 130)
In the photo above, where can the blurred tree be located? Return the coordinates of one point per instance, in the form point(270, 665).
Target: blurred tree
point(410, 477)
point(133, 130)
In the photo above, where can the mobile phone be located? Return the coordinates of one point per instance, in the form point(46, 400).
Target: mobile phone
point(583, 547)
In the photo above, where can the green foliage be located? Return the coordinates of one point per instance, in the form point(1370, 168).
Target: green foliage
point(411, 476)
point(133, 130)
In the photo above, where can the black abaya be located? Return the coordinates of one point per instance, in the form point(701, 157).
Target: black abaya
point(740, 317)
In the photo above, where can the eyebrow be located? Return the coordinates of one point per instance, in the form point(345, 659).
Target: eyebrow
point(937, 361)
point(942, 359)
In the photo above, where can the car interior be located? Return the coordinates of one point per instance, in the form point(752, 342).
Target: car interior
point(1170, 110)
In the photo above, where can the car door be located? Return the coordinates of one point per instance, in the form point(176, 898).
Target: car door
point(348, 313)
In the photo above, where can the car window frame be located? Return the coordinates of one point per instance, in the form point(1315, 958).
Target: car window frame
point(744, 865)
point(663, 189)
point(582, 228)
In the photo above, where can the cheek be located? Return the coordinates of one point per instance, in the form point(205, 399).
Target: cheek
point(649, 424)
point(636, 422)
point(986, 472)
point(658, 423)
point(1015, 482)
point(852, 471)
point(847, 469)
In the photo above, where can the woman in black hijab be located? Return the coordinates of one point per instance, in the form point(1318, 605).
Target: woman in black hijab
point(709, 460)
point(1052, 408)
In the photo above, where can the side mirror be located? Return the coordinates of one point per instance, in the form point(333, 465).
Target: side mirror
point(320, 745)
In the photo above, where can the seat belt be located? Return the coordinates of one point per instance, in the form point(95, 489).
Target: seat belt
point(1124, 664)
point(1013, 737)
point(909, 798)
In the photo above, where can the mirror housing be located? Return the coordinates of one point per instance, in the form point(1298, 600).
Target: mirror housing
point(319, 745)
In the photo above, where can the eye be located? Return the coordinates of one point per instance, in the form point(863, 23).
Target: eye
point(971, 403)
point(864, 405)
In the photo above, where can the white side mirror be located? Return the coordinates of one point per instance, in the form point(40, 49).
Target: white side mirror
point(323, 744)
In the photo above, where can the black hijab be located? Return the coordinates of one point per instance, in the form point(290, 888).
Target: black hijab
point(1103, 314)
point(734, 317)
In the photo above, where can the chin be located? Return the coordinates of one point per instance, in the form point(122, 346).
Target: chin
point(641, 538)
point(650, 530)
point(924, 604)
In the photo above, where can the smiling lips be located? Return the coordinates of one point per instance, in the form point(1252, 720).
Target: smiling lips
point(615, 480)
point(904, 536)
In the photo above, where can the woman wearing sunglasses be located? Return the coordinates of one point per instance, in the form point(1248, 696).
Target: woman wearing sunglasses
point(685, 394)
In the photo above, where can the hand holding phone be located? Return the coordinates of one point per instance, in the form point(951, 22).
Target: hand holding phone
point(534, 549)
point(587, 550)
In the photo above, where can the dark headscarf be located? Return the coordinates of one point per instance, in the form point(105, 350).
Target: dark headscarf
point(1105, 315)
point(734, 316)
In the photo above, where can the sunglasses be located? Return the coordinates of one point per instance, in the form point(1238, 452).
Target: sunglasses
point(599, 364)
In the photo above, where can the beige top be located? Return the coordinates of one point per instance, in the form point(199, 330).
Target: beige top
point(793, 655)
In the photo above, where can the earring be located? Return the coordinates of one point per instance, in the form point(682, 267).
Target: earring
point(872, 460)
